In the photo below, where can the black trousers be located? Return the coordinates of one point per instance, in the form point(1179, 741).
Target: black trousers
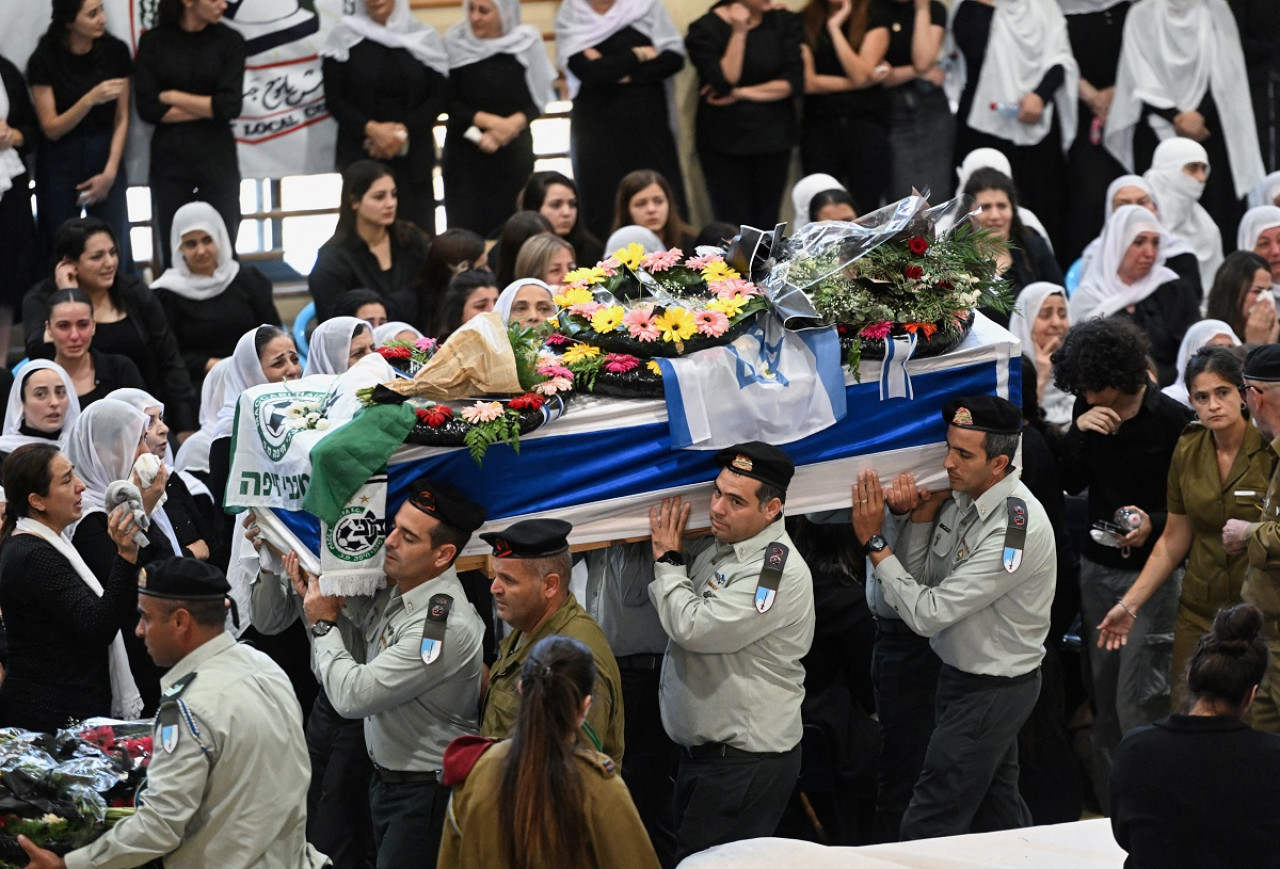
point(408, 820)
point(174, 186)
point(338, 820)
point(727, 799)
point(970, 778)
point(745, 188)
point(853, 149)
point(904, 670)
point(649, 765)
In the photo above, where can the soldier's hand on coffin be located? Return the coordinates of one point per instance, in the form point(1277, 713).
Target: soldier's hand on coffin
point(904, 495)
point(666, 525)
point(317, 606)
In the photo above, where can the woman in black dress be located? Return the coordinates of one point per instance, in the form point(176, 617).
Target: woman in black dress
point(79, 76)
point(1019, 94)
point(500, 80)
point(371, 249)
point(384, 82)
point(646, 199)
point(1182, 73)
point(129, 319)
point(555, 197)
point(17, 136)
point(70, 327)
point(747, 54)
point(209, 297)
point(619, 57)
point(189, 83)
point(67, 659)
point(846, 114)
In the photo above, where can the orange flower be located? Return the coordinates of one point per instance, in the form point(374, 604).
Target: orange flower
point(927, 328)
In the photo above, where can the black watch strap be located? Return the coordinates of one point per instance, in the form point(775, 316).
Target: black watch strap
point(671, 556)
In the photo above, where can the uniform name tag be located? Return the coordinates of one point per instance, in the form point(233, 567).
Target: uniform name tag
point(434, 627)
point(170, 714)
point(775, 559)
point(1015, 534)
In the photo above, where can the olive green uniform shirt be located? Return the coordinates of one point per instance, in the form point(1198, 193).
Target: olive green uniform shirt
point(615, 835)
point(411, 710)
point(1262, 579)
point(502, 701)
point(732, 674)
point(1213, 578)
point(233, 792)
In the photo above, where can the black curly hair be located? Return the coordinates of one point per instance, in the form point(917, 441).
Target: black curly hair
point(1102, 353)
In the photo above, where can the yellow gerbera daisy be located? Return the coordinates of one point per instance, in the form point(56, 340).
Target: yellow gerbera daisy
point(676, 324)
point(653, 366)
point(574, 296)
point(585, 275)
point(730, 307)
point(579, 352)
point(630, 256)
point(718, 271)
point(608, 319)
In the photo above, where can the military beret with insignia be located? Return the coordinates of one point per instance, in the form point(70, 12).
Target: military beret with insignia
point(988, 413)
point(1263, 363)
point(531, 538)
point(446, 503)
point(183, 579)
point(760, 461)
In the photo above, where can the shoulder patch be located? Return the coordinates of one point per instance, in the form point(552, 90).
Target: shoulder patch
point(775, 559)
point(1015, 534)
point(600, 762)
point(170, 713)
point(433, 629)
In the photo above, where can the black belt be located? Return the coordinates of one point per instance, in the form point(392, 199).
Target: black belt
point(395, 777)
point(892, 626)
point(983, 680)
point(640, 662)
point(710, 750)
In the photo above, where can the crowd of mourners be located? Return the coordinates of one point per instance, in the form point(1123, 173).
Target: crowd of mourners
point(1121, 149)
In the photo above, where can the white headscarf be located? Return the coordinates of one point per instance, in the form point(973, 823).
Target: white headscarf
point(388, 331)
point(11, 165)
point(1173, 53)
point(142, 400)
point(330, 351)
point(103, 446)
point(1175, 246)
point(1179, 197)
point(1253, 223)
point(633, 234)
point(193, 455)
point(802, 195)
point(189, 218)
point(990, 158)
point(244, 372)
point(11, 438)
point(1101, 292)
point(522, 40)
point(1027, 39)
point(1265, 191)
point(578, 28)
point(1084, 7)
point(402, 30)
point(1055, 403)
point(1197, 336)
point(507, 297)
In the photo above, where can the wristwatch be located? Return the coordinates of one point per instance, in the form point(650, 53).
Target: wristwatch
point(875, 543)
point(671, 556)
point(322, 627)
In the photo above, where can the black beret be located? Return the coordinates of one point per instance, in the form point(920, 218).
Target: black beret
point(532, 538)
point(183, 579)
point(1263, 363)
point(446, 503)
point(760, 461)
point(987, 413)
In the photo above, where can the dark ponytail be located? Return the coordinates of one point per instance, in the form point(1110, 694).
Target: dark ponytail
point(540, 807)
point(1229, 660)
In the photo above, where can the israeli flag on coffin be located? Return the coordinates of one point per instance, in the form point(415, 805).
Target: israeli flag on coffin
point(770, 384)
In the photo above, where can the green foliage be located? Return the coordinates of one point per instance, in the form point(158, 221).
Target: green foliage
point(503, 430)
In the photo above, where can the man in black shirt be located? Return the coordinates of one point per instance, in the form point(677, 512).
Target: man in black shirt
point(1119, 446)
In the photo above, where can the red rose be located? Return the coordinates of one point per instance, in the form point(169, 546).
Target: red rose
point(528, 401)
point(394, 353)
point(917, 245)
point(915, 273)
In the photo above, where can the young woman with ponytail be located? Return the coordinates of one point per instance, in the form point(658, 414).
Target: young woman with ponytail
point(544, 797)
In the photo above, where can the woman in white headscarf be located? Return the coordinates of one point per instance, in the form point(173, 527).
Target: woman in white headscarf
point(1129, 278)
point(1039, 323)
point(1266, 191)
point(500, 81)
point(1019, 83)
point(624, 236)
point(395, 331)
point(1203, 334)
point(803, 194)
point(1136, 190)
point(193, 455)
point(1260, 232)
point(42, 407)
point(384, 83)
point(1179, 170)
point(338, 344)
point(1182, 73)
point(619, 57)
point(208, 296)
point(19, 134)
point(527, 301)
point(990, 158)
point(107, 440)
